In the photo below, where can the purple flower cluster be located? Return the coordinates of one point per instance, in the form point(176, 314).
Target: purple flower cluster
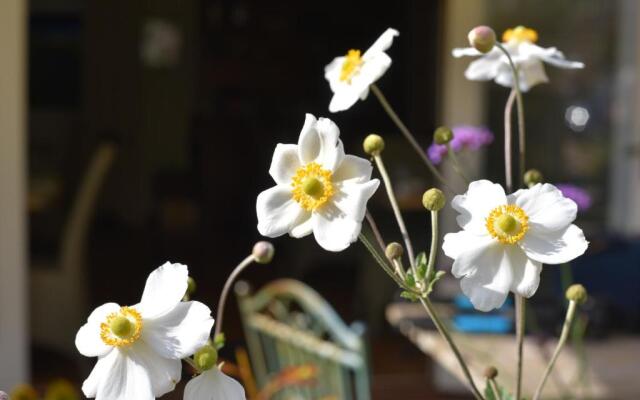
point(464, 137)
point(577, 194)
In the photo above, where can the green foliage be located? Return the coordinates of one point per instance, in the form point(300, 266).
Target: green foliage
point(421, 265)
point(504, 395)
point(218, 341)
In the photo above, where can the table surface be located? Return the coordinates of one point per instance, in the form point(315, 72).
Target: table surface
point(612, 364)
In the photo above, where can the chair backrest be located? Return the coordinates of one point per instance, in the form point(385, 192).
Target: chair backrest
point(287, 323)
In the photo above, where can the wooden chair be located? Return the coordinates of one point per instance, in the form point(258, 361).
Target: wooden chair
point(287, 324)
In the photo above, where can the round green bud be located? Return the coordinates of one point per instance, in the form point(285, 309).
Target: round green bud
point(263, 252)
point(577, 293)
point(24, 392)
point(394, 251)
point(433, 199)
point(532, 177)
point(442, 135)
point(482, 38)
point(373, 144)
point(61, 389)
point(206, 358)
point(491, 372)
point(191, 286)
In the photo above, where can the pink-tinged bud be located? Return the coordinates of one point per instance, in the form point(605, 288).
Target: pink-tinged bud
point(263, 252)
point(482, 38)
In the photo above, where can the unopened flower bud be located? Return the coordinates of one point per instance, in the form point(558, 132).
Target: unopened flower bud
point(206, 358)
point(482, 38)
point(442, 135)
point(373, 144)
point(577, 293)
point(491, 372)
point(24, 392)
point(532, 177)
point(433, 199)
point(263, 252)
point(61, 389)
point(394, 251)
point(191, 286)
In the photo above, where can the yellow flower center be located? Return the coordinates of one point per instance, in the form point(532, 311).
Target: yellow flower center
point(312, 186)
point(520, 34)
point(507, 223)
point(122, 327)
point(351, 65)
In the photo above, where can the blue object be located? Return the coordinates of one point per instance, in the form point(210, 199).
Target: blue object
point(482, 323)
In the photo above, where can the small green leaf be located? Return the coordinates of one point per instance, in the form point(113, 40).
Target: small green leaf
point(218, 341)
point(410, 280)
point(421, 266)
point(408, 296)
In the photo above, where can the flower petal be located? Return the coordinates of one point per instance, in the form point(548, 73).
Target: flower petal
point(120, 378)
point(465, 51)
point(351, 198)
point(488, 286)
point(526, 275)
point(353, 169)
point(485, 68)
point(181, 332)
point(101, 369)
point(549, 55)
point(277, 211)
point(303, 227)
point(88, 341)
point(475, 205)
point(333, 229)
point(164, 289)
point(455, 244)
point(530, 73)
point(320, 142)
point(162, 373)
point(556, 247)
point(284, 164)
point(213, 385)
point(382, 43)
point(372, 69)
point(546, 206)
point(344, 98)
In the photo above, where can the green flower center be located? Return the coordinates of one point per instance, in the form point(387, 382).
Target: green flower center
point(122, 327)
point(507, 224)
point(313, 187)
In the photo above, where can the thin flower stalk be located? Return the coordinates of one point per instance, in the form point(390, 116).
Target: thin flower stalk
point(396, 210)
point(376, 231)
point(456, 164)
point(225, 291)
point(494, 388)
point(433, 250)
point(566, 329)
point(369, 246)
point(428, 306)
point(408, 135)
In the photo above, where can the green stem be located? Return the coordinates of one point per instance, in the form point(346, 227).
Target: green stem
point(376, 231)
point(225, 291)
point(447, 337)
point(382, 262)
point(456, 164)
point(494, 388)
point(508, 169)
point(520, 324)
point(520, 106)
point(407, 134)
point(396, 210)
point(566, 328)
point(399, 268)
point(433, 250)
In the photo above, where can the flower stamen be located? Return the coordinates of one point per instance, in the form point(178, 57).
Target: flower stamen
point(351, 65)
point(520, 34)
point(312, 186)
point(507, 223)
point(121, 328)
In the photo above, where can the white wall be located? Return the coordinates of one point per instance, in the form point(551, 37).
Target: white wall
point(14, 335)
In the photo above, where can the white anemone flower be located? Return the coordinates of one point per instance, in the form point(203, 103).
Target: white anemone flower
point(318, 189)
point(213, 384)
point(527, 57)
point(350, 76)
point(139, 348)
point(505, 240)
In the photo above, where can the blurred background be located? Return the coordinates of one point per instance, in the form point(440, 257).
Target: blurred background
point(132, 133)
